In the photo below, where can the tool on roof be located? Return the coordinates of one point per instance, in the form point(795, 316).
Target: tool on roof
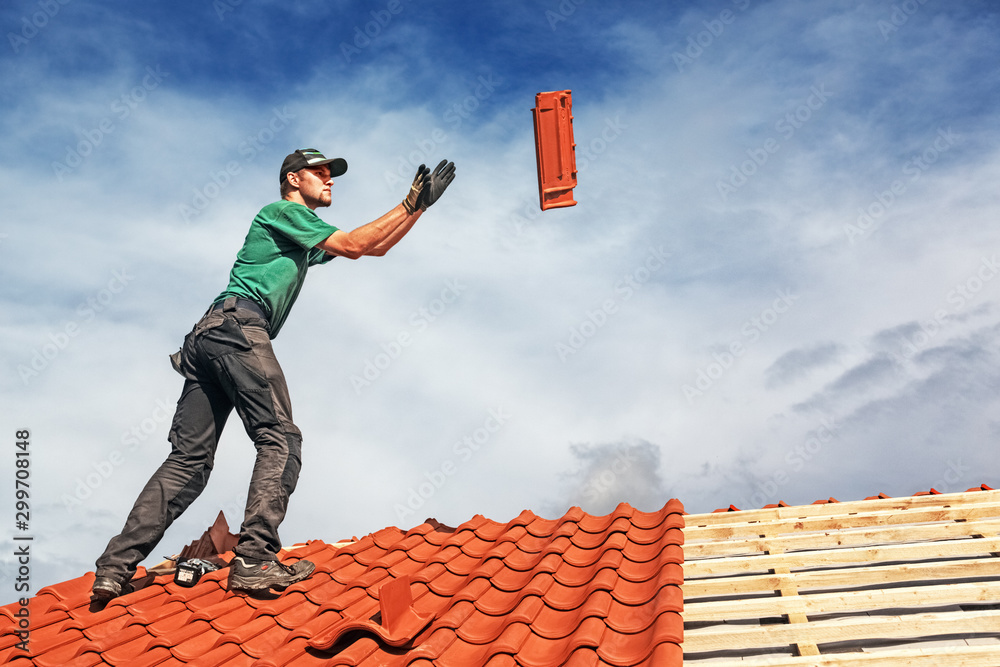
point(189, 571)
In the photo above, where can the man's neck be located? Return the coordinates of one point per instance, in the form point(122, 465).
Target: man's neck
point(297, 198)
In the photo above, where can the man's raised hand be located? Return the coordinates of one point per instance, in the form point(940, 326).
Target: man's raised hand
point(420, 183)
point(439, 179)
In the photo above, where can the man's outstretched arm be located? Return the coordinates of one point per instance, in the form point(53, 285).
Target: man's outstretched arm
point(378, 236)
point(374, 239)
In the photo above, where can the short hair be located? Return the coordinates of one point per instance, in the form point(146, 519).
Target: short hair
point(286, 187)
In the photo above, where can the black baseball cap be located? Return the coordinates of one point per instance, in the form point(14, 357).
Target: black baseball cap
point(310, 157)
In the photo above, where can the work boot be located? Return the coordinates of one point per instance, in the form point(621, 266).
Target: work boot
point(250, 574)
point(106, 588)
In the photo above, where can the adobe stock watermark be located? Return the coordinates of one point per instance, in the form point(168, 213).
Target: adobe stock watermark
point(898, 17)
point(955, 477)
point(121, 108)
point(223, 7)
point(248, 149)
point(57, 341)
point(698, 42)
point(32, 25)
point(463, 449)
point(766, 490)
point(870, 216)
point(588, 152)
point(562, 12)
point(101, 471)
point(455, 115)
point(622, 291)
point(958, 298)
point(364, 35)
point(739, 175)
point(418, 322)
point(750, 332)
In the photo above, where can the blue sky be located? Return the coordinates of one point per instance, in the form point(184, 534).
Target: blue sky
point(780, 281)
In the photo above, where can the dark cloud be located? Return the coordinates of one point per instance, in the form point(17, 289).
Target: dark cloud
point(796, 364)
point(874, 373)
point(609, 474)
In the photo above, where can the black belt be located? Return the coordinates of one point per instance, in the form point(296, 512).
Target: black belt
point(237, 302)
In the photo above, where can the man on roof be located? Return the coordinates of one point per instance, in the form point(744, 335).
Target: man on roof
point(228, 363)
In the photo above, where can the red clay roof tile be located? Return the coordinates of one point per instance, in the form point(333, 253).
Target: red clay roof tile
point(577, 590)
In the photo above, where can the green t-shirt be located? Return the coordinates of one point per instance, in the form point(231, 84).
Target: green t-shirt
point(271, 266)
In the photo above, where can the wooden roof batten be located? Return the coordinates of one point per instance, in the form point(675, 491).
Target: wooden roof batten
point(881, 582)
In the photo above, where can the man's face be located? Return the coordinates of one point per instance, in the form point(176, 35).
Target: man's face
point(314, 186)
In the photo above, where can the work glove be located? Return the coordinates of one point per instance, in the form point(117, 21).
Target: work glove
point(440, 178)
point(420, 183)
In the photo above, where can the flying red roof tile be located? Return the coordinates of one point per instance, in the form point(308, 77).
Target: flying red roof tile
point(578, 590)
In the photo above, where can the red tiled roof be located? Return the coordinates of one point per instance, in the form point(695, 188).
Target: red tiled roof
point(579, 590)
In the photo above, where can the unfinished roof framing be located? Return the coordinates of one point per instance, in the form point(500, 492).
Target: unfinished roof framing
point(885, 581)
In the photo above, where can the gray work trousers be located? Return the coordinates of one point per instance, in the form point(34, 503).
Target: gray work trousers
point(228, 363)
